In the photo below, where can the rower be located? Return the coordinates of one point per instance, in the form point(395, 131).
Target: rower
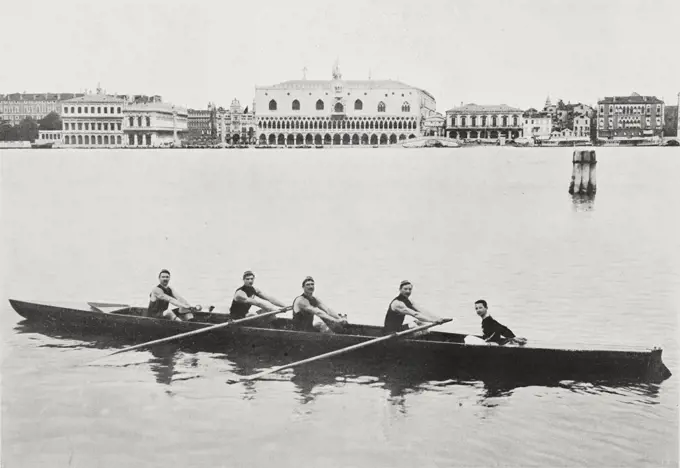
point(493, 331)
point(307, 306)
point(162, 296)
point(248, 295)
point(400, 307)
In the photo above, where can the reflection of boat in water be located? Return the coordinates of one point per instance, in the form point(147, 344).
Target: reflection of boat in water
point(440, 351)
point(174, 362)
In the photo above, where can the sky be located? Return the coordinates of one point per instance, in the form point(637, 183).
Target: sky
point(488, 52)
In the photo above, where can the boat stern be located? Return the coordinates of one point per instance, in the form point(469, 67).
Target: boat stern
point(656, 369)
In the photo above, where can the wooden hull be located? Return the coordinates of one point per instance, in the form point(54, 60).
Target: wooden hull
point(445, 353)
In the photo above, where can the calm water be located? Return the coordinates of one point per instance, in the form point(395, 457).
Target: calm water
point(460, 224)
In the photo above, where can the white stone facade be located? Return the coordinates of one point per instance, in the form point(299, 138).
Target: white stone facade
point(93, 120)
point(340, 112)
point(582, 126)
point(538, 126)
point(154, 124)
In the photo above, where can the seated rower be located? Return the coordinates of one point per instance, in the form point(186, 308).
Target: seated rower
point(162, 296)
point(400, 307)
point(307, 306)
point(247, 296)
point(493, 331)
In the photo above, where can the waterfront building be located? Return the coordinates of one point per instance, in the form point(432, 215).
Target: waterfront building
point(434, 125)
point(50, 135)
point(340, 112)
point(201, 123)
point(17, 106)
point(536, 125)
point(473, 121)
point(93, 120)
point(236, 125)
point(154, 124)
point(634, 116)
point(582, 125)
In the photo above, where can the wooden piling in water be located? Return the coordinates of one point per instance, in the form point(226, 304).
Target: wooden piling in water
point(592, 187)
point(583, 178)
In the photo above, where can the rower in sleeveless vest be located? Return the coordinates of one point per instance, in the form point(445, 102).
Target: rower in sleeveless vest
point(248, 295)
point(307, 306)
point(162, 296)
point(401, 306)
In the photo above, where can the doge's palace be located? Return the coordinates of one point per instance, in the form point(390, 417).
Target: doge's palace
point(340, 112)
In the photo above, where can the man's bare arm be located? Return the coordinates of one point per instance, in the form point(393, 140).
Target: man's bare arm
point(269, 298)
point(322, 314)
point(399, 306)
point(433, 317)
point(178, 301)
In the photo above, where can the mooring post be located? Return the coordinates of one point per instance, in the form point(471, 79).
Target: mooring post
point(585, 171)
point(592, 186)
point(575, 185)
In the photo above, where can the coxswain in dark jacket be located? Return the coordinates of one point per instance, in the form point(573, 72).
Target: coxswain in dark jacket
point(492, 330)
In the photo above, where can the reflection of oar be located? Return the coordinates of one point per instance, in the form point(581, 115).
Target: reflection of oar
point(196, 332)
point(341, 351)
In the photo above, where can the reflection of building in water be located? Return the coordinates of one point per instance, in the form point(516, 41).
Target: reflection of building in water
point(340, 112)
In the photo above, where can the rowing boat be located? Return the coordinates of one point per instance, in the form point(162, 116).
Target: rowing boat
point(436, 350)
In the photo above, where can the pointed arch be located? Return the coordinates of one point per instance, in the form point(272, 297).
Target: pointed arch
point(358, 105)
point(381, 106)
point(296, 104)
point(319, 105)
point(272, 105)
point(406, 107)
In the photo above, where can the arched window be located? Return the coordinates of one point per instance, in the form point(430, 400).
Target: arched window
point(406, 107)
point(319, 105)
point(381, 106)
point(272, 105)
point(67, 140)
point(118, 140)
point(358, 105)
point(132, 121)
point(296, 105)
point(92, 110)
point(148, 121)
point(139, 121)
point(338, 107)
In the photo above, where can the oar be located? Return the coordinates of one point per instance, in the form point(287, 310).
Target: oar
point(196, 332)
point(340, 351)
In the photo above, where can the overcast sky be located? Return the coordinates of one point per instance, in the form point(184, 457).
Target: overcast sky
point(488, 52)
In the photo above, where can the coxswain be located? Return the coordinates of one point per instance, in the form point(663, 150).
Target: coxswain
point(493, 331)
point(307, 306)
point(248, 295)
point(401, 306)
point(162, 296)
